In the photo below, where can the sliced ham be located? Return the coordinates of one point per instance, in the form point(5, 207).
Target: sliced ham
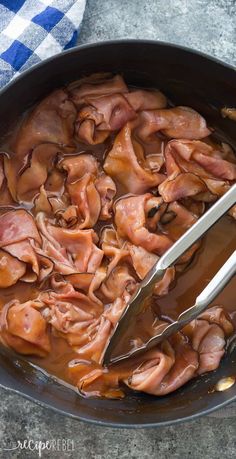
point(197, 350)
point(24, 252)
point(77, 166)
point(24, 328)
point(196, 169)
point(177, 123)
point(87, 132)
point(107, 191)
point(217, 315)
point(165, 370)
point(207, 335)
point(143, 261)
point(114, 311)
point(117, 282)
point(142, 99)
point(78, 319)
point(71, 250)
point(130, 221)
point(36, 174)
point(113, 247)
point(51, 121)
point(84, 273)
point(219, 168)
point(18, 235)
point(151, 370)
point(91, 191)
point(82, 172)
point(11, 269)
point(96, 346)
point(100, 85)
point(104, 109)
point(16, 226)
point(181, 186)
point(127, 164)
point(102, 115)
point(162, 287)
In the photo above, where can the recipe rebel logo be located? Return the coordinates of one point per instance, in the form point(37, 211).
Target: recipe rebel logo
point(40, 446)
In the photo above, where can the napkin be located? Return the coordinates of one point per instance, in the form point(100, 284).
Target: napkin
point(32, 30)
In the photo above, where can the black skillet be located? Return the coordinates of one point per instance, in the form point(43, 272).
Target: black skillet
point(188, 78)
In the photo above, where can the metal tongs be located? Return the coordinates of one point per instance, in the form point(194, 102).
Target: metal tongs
point(145, 289)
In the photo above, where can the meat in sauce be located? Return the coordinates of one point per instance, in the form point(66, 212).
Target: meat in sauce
point(96, 183)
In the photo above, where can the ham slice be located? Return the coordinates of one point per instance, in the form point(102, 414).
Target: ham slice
point(96, 346)
point(91, 191)
point(181, 186)
point(207, 335)
point(11, 269)
point(122, 256)
point(5, 196)
point(18, 234)
point(130, 220)
point(24, 328)
point(36, 174)
point(107, 191)
point(126, 164)
point(143, 261)
point(71, 250)
point(142, 99)
point(165, 370)
point(102, 115)
point(195, 169)
point(98, 85)
point(16, 226)
point(217, 315)
point(24, 252)
point(177, 123)
point(198, 349)
point(78, 319)
point(51, 121)
point(109, 108)
point(114, 248)
point(117, 282)
point(82, 172)
point(209, 341)
point(102, 108)
point(85, 196)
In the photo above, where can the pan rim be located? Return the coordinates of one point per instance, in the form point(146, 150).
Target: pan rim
point(9, 86)
point(123, 41)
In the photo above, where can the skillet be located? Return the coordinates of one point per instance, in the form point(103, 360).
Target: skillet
point(187, 78)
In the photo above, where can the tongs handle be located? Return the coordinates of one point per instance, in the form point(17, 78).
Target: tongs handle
point(210, 292)
point(145, 288)
point(193, 234)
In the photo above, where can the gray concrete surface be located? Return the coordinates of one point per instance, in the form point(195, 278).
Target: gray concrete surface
point(209, 26)
point(206, 25)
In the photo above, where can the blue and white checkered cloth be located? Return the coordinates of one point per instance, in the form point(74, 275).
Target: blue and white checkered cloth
point(31, 30)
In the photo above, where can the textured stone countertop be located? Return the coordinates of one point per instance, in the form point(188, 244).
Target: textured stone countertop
point(209, 26)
